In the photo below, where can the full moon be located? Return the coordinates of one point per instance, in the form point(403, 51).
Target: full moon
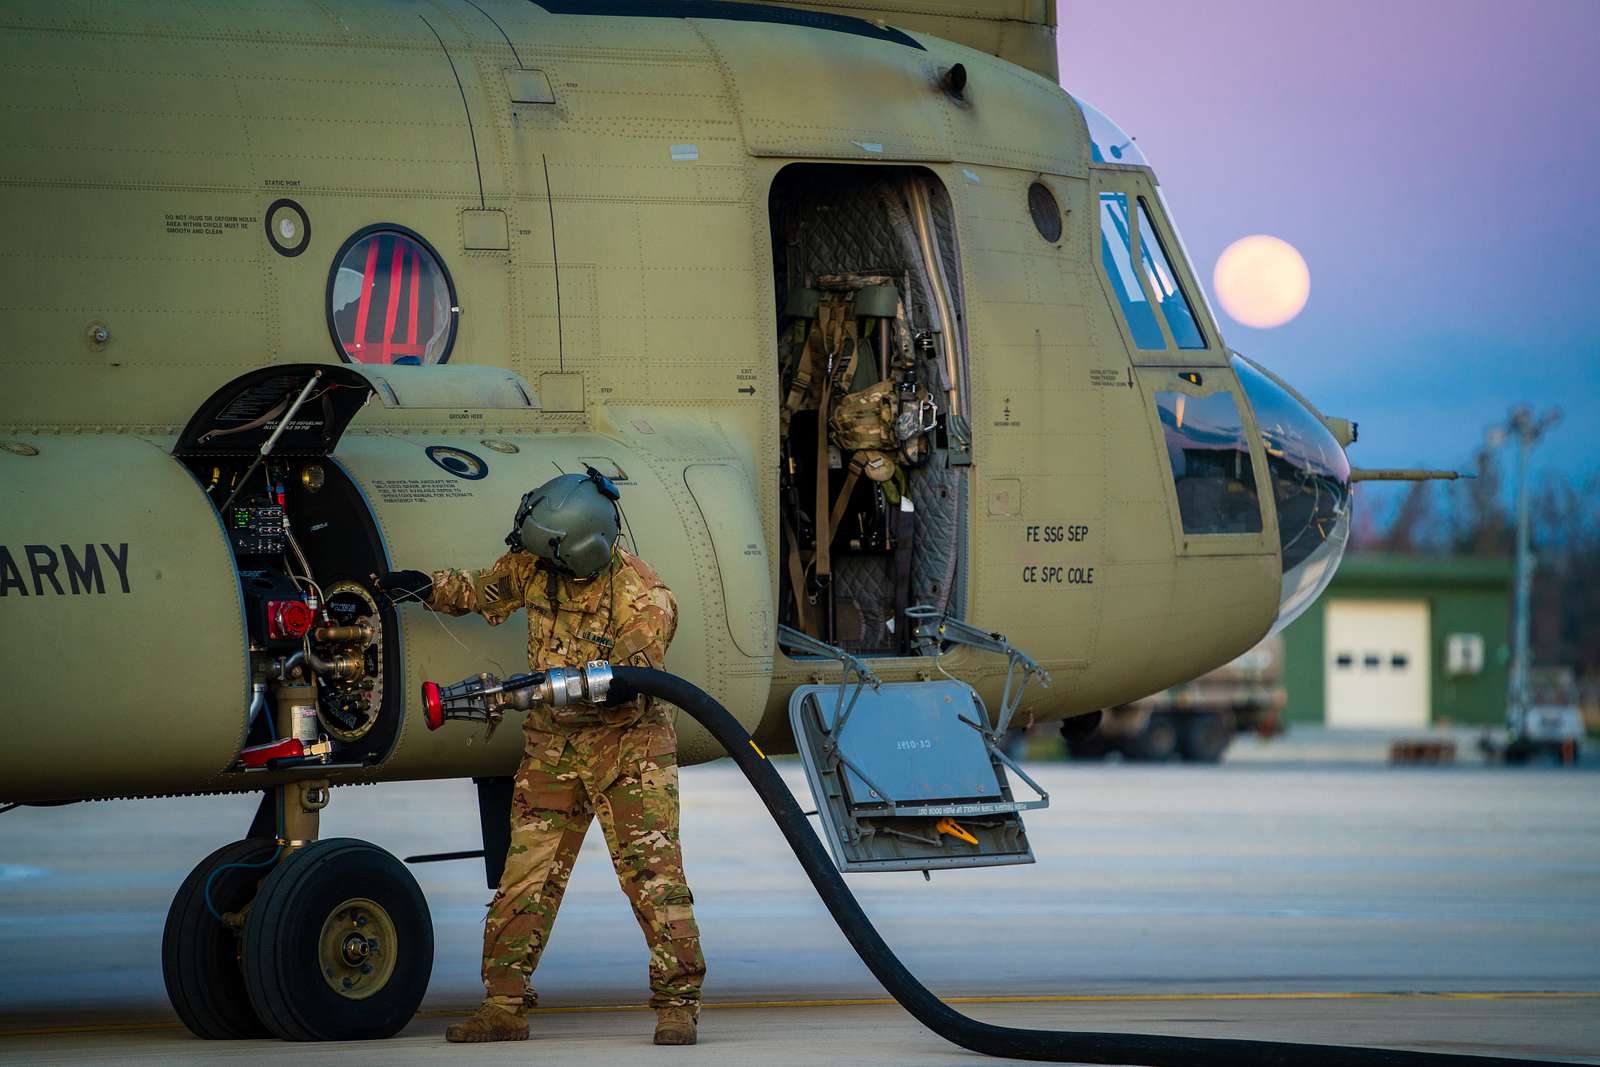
point(1262, 281)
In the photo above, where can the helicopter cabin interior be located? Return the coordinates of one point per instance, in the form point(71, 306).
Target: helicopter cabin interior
point(873, 419)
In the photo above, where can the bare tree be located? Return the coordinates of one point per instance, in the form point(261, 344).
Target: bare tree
point(1480, 524)
point(1409, 532)
point(1566, 585)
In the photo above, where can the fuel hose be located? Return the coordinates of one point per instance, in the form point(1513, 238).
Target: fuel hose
point(1054, 1046)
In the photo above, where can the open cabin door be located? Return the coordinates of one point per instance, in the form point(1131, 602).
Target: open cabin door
point(873, 420)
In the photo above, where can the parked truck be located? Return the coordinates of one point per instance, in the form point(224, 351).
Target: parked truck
point(1195, 721)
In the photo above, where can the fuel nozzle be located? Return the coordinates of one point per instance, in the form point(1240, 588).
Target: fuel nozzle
point(485, 698)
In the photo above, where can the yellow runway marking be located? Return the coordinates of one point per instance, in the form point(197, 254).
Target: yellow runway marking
point(90, 1028)
point(872, 1002)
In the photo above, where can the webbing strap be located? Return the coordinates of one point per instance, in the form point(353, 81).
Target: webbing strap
point(832, 324)
point(843, 499)
point(416, 286)
point(364, 306)
point(397, 262)
point(797, 579)
point(805, 367)
point(386, 349)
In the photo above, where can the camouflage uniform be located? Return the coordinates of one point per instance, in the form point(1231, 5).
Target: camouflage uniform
point(620, 763)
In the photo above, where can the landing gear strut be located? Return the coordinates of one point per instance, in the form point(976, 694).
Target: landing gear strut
point(297, 938)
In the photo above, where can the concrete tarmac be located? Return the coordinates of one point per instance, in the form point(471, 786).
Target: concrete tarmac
point(1294, 901)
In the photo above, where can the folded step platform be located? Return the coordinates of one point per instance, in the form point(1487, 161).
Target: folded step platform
point(910, 776)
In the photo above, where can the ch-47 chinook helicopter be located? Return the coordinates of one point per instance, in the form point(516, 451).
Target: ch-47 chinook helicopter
point(888, 342)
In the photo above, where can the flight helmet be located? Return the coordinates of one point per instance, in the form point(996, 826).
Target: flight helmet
point(570, 522)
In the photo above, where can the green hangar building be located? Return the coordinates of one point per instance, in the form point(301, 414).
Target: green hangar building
point(1403, 642)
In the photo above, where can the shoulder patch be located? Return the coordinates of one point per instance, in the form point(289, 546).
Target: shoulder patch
point(646, 573)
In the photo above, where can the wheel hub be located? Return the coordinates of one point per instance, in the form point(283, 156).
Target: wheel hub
point(357, 949)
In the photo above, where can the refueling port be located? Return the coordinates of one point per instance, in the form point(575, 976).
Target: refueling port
point(297, 524)
point(347, 655)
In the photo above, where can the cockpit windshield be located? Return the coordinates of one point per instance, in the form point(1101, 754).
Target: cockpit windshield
point(1310, 485)
point(1107, 141)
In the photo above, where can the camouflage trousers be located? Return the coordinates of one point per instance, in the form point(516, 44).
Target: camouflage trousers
point(629, 777)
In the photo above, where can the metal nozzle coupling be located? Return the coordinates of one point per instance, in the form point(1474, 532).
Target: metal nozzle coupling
point(563, 686)
point(485, 698)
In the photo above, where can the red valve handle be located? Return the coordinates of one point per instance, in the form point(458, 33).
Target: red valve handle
point(432, 705)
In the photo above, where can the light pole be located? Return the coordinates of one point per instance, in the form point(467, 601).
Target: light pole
point(1526, 430)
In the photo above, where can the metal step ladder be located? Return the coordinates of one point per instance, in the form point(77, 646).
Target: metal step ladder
point(911, 776)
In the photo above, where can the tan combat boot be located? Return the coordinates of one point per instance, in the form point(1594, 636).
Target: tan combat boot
point(491, 1022)
point(675, 1026)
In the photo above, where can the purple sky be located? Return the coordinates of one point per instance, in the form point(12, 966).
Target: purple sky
point(1438, 165)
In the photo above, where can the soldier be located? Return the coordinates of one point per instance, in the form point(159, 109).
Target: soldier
point(587, 598)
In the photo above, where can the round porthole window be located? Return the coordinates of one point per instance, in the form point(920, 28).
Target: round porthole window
point(1045, 211)
point(390, 300)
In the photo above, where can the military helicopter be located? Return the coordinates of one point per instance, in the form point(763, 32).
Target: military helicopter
point(888, 342)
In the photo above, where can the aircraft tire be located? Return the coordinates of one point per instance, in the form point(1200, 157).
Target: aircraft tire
point(200, 955)
point(1155, 743)
point(1203, 736)
point(308, 974)
point(1091, 749)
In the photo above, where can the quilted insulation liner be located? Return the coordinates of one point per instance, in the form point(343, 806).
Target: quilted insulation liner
point(832, 221)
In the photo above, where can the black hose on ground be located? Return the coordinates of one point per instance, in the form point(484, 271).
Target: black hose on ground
point(1057, 1046)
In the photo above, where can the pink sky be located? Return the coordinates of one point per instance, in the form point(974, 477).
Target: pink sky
point(1435, 162)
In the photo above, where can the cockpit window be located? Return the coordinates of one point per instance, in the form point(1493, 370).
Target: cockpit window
point(1310, 478)
point(1164, 283)
point(390, 300)
point(1211, 466)
point(1116, 250)
point(1107, 142)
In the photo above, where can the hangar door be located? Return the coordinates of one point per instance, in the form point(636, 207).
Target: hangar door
point(1376, 663)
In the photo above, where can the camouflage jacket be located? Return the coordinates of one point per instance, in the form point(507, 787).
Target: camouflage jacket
point(625, 614)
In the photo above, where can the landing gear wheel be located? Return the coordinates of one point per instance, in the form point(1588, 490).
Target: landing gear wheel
point(1155, 743)
point(1081, 734)
point(1088, 749)
point(1205, 735)
point(339, 946)
point(200, 955)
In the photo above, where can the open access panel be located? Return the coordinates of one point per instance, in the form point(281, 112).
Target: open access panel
point(911, 775)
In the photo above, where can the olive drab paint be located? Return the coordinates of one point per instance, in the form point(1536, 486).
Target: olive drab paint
point(595, 191)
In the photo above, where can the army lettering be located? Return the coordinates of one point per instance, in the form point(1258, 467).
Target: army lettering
point(1050, 535)
point(47, 569)
point(1058, 575)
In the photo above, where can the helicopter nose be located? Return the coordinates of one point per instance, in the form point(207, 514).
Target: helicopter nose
point(1310, 477)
